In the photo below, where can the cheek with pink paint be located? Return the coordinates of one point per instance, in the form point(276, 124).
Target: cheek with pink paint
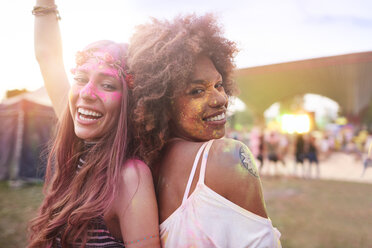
point(109, 96)
point(116, 96)
point(101, 95)
point(105, 96)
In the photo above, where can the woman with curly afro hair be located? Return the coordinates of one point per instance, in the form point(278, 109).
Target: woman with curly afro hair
point(182, 83)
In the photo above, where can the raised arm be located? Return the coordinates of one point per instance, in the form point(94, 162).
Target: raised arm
point(136, 207)
point(48, 52)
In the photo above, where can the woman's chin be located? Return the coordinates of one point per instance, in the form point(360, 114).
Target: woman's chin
point(85, 136)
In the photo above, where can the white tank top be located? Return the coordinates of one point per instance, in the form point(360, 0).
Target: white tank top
point(207, 219)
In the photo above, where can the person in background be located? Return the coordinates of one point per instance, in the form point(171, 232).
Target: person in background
point(312, 156)
point(261, 151)
point(368, 160)
point(208, 188)
point(272, 146)
point(256, 145)
point(97, 194)
point(299, 154)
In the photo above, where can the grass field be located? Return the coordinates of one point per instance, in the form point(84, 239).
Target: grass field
point(308, 213)
point(17, 207)
point(320, 214)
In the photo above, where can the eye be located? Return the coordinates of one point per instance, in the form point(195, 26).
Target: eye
point(219, 85)
point(81, 80)
point(107, 85)
point(196, 91)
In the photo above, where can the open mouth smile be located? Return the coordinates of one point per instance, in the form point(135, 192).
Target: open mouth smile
point(216, 118)
point(88, 115)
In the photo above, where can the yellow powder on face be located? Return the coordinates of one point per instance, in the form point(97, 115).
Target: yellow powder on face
point(217, 133)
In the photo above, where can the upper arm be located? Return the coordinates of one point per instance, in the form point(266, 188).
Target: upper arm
point(136, 206)
point(239, 174)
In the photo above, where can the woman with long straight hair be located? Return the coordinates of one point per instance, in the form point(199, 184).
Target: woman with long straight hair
point(97, 194)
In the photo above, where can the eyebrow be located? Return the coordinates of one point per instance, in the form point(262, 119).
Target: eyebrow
point(108, 73)
point(201, 81)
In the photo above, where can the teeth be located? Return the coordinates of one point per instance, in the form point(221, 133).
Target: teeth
point(89, 112)
point(217, 118)
point(85, 119)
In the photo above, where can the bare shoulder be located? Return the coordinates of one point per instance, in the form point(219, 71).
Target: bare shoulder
point(135, 206)
point(230, 154)
point(135, 182)
point(234, 175)
point(135, 171)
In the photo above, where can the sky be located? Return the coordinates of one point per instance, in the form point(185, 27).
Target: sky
point(266, 31)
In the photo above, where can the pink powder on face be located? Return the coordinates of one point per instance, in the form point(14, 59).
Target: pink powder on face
point(93, 92)
point(102, 95)
point(90, 90)
point(116, 96)
point(105, 70)
point(92, 66)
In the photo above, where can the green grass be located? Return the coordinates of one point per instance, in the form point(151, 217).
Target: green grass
point(17, 207)
point(317, 214)
point(308, 213)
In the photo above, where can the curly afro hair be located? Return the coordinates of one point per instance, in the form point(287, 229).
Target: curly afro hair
point(161, 57)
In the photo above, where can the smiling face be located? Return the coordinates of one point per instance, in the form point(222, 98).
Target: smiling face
point(95, 100)
point(199, 113)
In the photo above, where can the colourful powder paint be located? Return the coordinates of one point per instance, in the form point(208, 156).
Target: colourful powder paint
point(90, 90)
point(229, 146)
point(93, 92)
point(102, 95)
point(105, 70)
point(116, 96)
point(241, 171)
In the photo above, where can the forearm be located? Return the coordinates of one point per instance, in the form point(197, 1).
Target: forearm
point(47, 37)
point(48, 52)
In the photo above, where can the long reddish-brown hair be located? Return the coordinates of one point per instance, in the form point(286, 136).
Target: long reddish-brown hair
point(73, 200)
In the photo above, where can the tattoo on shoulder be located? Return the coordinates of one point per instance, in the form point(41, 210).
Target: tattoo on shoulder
point(247, 162)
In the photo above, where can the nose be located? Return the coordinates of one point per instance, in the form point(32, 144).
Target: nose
point(218, 99)
point(89, 92)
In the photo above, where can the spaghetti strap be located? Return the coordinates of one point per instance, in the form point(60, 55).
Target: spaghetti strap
point(204, 162)
point(192, 173)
